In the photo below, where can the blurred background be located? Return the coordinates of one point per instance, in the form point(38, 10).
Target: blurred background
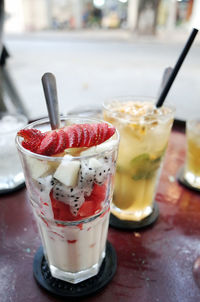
point(97, 49)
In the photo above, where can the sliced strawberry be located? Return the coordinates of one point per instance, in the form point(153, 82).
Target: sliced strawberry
point(91, 206)
point(48, 144)
point(85, 138)
point(32, 145)
point(91, 135)
point(61, 211)
point(79, 132)
point(74, 136)
point(28, 134)
point(93, 203)
point(96, 136)
point(105, 131)
point(61, 141)
point(111, 131)
point(101, 133)
point(32, 138)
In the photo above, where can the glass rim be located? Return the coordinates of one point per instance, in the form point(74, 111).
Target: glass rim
point(139, 98)
point(20, 117)
point(60, 158)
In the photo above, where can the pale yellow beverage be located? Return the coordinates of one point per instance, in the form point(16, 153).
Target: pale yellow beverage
point(144, 133)
point(192, 165)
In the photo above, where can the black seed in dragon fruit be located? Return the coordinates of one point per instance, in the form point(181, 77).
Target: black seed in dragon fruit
point(44, 186)
point(74, 197)
point(101, 174)
point(86, 177)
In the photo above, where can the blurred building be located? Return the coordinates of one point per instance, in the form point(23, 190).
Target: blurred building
point(142, 16)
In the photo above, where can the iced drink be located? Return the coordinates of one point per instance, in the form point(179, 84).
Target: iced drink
point(11, 175)
point(69, 176)
point(192, 165)
point(144, 132)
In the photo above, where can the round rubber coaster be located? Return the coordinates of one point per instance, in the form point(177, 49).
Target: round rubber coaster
point(135, 225)
point(61, 288)
point(12, 190)
point(183, 181)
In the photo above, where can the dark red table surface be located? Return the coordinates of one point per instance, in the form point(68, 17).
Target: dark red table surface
point(154, 265)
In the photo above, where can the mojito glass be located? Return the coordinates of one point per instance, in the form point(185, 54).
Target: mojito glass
point(144, 133)
point(192, 164)
point(70, 194)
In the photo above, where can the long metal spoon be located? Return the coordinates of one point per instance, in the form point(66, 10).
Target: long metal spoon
point(50, 92)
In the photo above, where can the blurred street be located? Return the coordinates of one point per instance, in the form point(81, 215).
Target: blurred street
point(93, 67)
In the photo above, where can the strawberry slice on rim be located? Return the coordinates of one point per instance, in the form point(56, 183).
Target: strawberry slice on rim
point(74, 136)
point(32, 138)
point(48, 144)
point(61, 141)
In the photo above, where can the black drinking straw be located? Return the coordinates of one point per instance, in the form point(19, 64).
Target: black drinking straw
point(176, 68)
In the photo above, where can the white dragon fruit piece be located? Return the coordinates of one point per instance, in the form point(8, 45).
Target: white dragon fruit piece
point(44, 186)
point(101, 173)
point(94, 171)
point(74, 197)
point(86, 177)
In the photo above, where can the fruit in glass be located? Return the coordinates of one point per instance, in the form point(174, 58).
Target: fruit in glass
point(69, 176)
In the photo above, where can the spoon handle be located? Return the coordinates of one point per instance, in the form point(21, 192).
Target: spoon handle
point(50, 92)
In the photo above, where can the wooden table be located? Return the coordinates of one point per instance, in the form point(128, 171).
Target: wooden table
point(154, 265)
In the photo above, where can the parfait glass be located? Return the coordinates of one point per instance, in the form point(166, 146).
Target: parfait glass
point(70, 195)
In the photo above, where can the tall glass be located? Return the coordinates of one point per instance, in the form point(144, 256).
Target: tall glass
point(11, 175)
point(144, 133)
point(72, 218)
point(192, 164)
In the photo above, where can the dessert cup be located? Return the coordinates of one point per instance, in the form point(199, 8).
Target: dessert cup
point(70, 195)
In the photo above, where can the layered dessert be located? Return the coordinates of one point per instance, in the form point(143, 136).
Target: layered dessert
point(192, 165)
point(144, 132)
point(69, 176)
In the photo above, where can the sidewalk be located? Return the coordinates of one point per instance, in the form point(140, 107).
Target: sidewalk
point(116, 35)
point(92, 66)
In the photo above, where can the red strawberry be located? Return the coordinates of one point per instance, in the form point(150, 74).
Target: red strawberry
point(105, 131)
point(61, 211)
point(28, 134)
point(32, 138)
point(72, 136)
point(91, 135)
point(101, 129)
point(93, 203)
point(79, 131)
point(48, 144)
point(56, 141)
point(96, 136)
point(61, 142)
point(85, 138)
point(111, 131)
point(91, 206)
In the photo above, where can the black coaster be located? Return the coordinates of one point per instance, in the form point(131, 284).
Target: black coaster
point(12, 190)
point(61, 288)
point(135, 225)
point(183, 181)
